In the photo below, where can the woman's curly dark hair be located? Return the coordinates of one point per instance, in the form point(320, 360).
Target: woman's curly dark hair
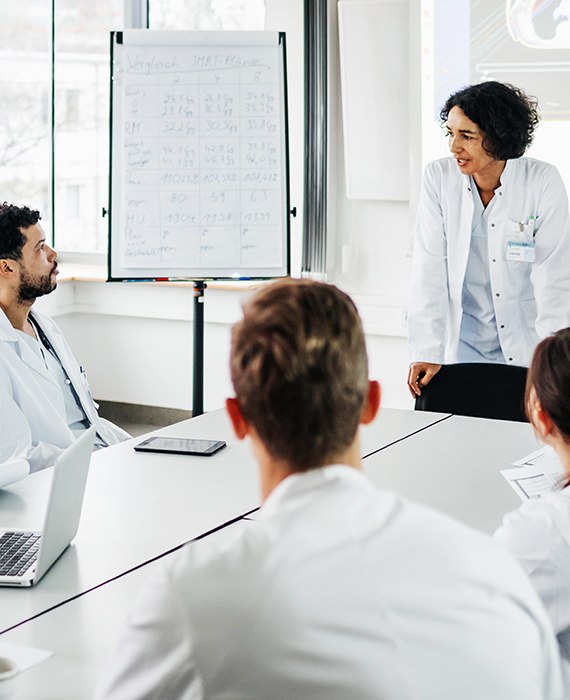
point(503, 112)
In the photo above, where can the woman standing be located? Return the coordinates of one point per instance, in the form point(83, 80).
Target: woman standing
point(538, 533)
point(491, 269)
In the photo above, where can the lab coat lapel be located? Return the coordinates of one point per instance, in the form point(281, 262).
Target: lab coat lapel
point(9, 335)
point(68, 362)
point(464, 234)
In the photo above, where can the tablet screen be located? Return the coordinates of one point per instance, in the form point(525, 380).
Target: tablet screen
point(184, 446)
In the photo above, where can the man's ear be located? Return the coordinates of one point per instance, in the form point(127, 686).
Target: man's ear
point(372, 403)
point(240, 427)
point(7, 268)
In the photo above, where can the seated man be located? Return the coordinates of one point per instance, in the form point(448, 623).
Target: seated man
point(338, 591)
point(44, 396)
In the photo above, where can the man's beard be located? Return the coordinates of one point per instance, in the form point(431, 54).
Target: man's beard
point(34, 286)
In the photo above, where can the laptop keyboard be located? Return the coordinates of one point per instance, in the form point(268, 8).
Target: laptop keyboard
point(18, 551)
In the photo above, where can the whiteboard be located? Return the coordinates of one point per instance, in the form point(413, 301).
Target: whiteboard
point(199, 160)
point(374, 86)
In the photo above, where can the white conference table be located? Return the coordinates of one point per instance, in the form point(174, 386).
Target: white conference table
point(136, 507)
point(454, 466)
point(443, 461)
point(139, 506)
point(83, 634)
point(450, 462)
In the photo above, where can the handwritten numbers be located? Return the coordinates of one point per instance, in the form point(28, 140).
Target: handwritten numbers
point(201, 164)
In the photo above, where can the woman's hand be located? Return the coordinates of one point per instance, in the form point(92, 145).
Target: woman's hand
point(421, 374)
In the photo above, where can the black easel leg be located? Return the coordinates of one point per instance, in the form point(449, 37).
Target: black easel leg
point(198, 371)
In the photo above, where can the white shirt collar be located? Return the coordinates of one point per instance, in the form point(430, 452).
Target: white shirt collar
point(307, 484)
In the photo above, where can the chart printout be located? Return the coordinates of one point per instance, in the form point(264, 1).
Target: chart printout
point(201, 159)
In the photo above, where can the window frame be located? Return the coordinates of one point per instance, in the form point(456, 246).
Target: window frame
point(136, 16)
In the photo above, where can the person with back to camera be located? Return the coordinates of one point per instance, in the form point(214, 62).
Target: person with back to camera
point(538, 533)
point(491, 267)
point(338, 591)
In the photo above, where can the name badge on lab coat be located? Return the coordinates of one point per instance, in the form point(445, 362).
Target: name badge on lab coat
point(521, 251)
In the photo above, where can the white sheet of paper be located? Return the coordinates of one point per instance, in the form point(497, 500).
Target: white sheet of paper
point(543, 455)
point(533, 480)
point(23, 655)
point(199, 149)
point(536, 473)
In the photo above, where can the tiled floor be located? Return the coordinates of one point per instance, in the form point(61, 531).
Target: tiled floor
point(137, 420)
point(136, 429)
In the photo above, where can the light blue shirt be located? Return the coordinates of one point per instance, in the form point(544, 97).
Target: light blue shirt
point(478, 335)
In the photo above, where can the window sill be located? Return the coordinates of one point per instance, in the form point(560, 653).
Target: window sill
point(69, 271)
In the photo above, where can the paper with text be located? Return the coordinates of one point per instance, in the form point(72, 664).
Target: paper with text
point(538, 472)
point(201, 157)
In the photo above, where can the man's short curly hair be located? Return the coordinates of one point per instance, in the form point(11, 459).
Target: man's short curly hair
point(506, 115)
point(12, 220)
point(300, 370)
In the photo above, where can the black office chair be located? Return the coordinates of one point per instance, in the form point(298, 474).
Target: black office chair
point(476, 389)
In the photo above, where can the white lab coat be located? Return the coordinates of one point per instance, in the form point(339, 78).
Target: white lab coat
point(531, 300)
point(338, 592)
point(33, 424)
point(538, 534)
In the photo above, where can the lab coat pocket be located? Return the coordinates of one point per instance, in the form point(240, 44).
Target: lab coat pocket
point(518, 243)
point(519, 231)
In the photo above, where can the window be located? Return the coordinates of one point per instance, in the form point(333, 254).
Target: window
point(78, 181)
point(69, 17)
point(72, 209)
point(207, 14)
point(81, 140)
point(25, 80)
point(72, 108)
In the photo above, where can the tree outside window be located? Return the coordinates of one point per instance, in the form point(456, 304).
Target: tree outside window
point(81, 129)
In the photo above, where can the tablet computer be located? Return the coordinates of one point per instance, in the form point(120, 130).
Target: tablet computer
point(181, 446)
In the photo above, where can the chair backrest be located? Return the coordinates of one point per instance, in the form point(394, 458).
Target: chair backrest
point(483, 390)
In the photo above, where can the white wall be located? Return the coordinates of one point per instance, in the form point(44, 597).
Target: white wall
point(135, 341)
point(370, 251)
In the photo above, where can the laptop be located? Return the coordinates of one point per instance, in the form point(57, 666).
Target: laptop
point(25, 556)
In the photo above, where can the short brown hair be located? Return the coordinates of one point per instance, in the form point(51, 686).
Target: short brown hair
point(300, 370)
point(549, 375)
